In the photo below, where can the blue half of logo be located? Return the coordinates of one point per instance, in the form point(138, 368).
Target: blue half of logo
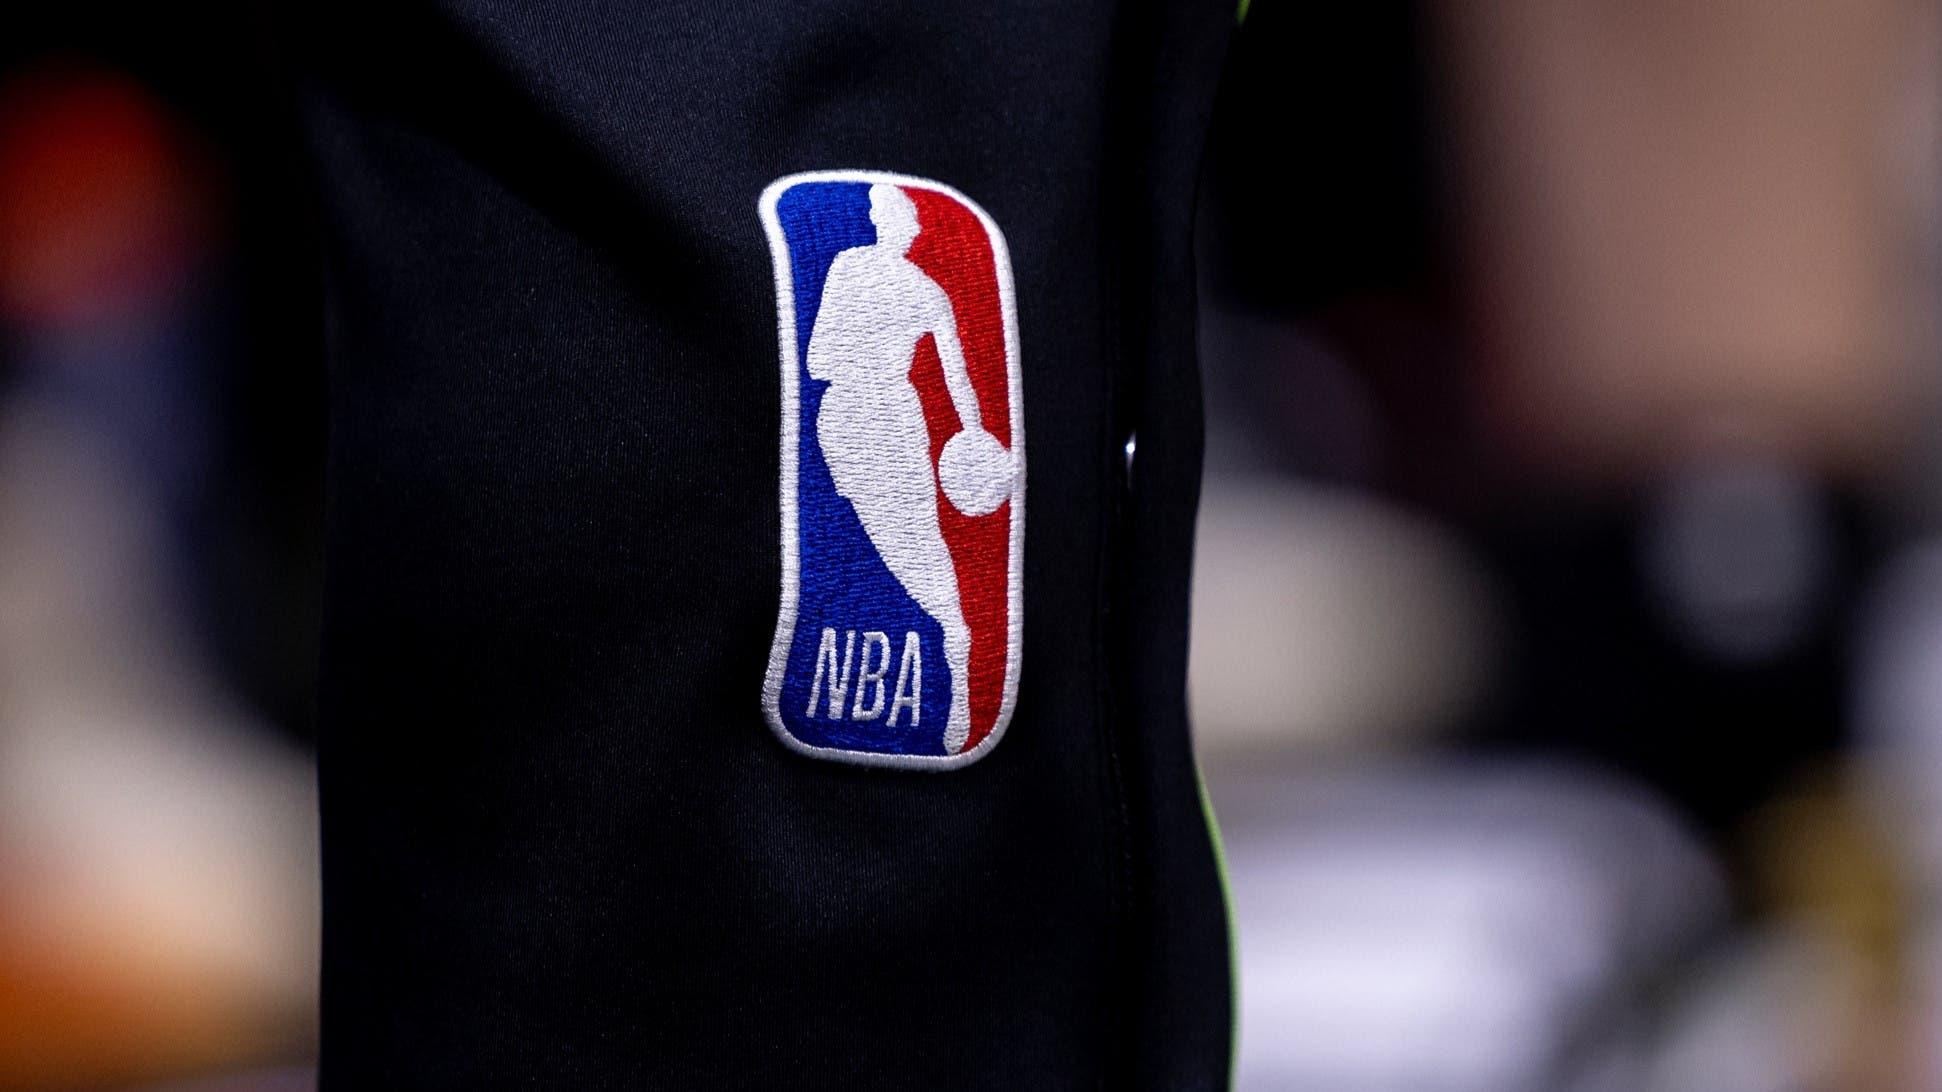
point(844, 586)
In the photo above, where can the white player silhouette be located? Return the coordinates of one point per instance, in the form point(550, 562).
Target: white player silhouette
point(876, 306)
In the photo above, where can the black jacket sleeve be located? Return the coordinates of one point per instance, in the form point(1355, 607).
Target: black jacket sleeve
point(562, 849)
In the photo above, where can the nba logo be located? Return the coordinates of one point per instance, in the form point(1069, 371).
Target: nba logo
point(903, 472)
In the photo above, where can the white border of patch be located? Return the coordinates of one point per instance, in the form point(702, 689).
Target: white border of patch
point(785, 626)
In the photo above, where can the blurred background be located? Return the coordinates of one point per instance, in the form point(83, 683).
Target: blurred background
point(1567, 661)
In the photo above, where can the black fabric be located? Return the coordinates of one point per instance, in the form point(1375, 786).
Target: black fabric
point(561, 847)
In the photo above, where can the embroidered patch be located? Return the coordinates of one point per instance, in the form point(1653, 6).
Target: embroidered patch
point(903, 472)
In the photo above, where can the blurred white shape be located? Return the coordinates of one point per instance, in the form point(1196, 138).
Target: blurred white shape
point(1767, 1014)
point(150, 837)
point(1324, 616)
point(1449, 929)
point(1899, 720)
point(1899, 706)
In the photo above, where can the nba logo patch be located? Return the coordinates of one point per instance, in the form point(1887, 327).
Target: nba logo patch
point(903, 472)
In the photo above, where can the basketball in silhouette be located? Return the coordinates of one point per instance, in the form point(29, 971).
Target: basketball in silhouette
point(975, 471)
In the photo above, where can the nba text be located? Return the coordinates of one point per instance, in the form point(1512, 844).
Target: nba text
point(857, 683)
